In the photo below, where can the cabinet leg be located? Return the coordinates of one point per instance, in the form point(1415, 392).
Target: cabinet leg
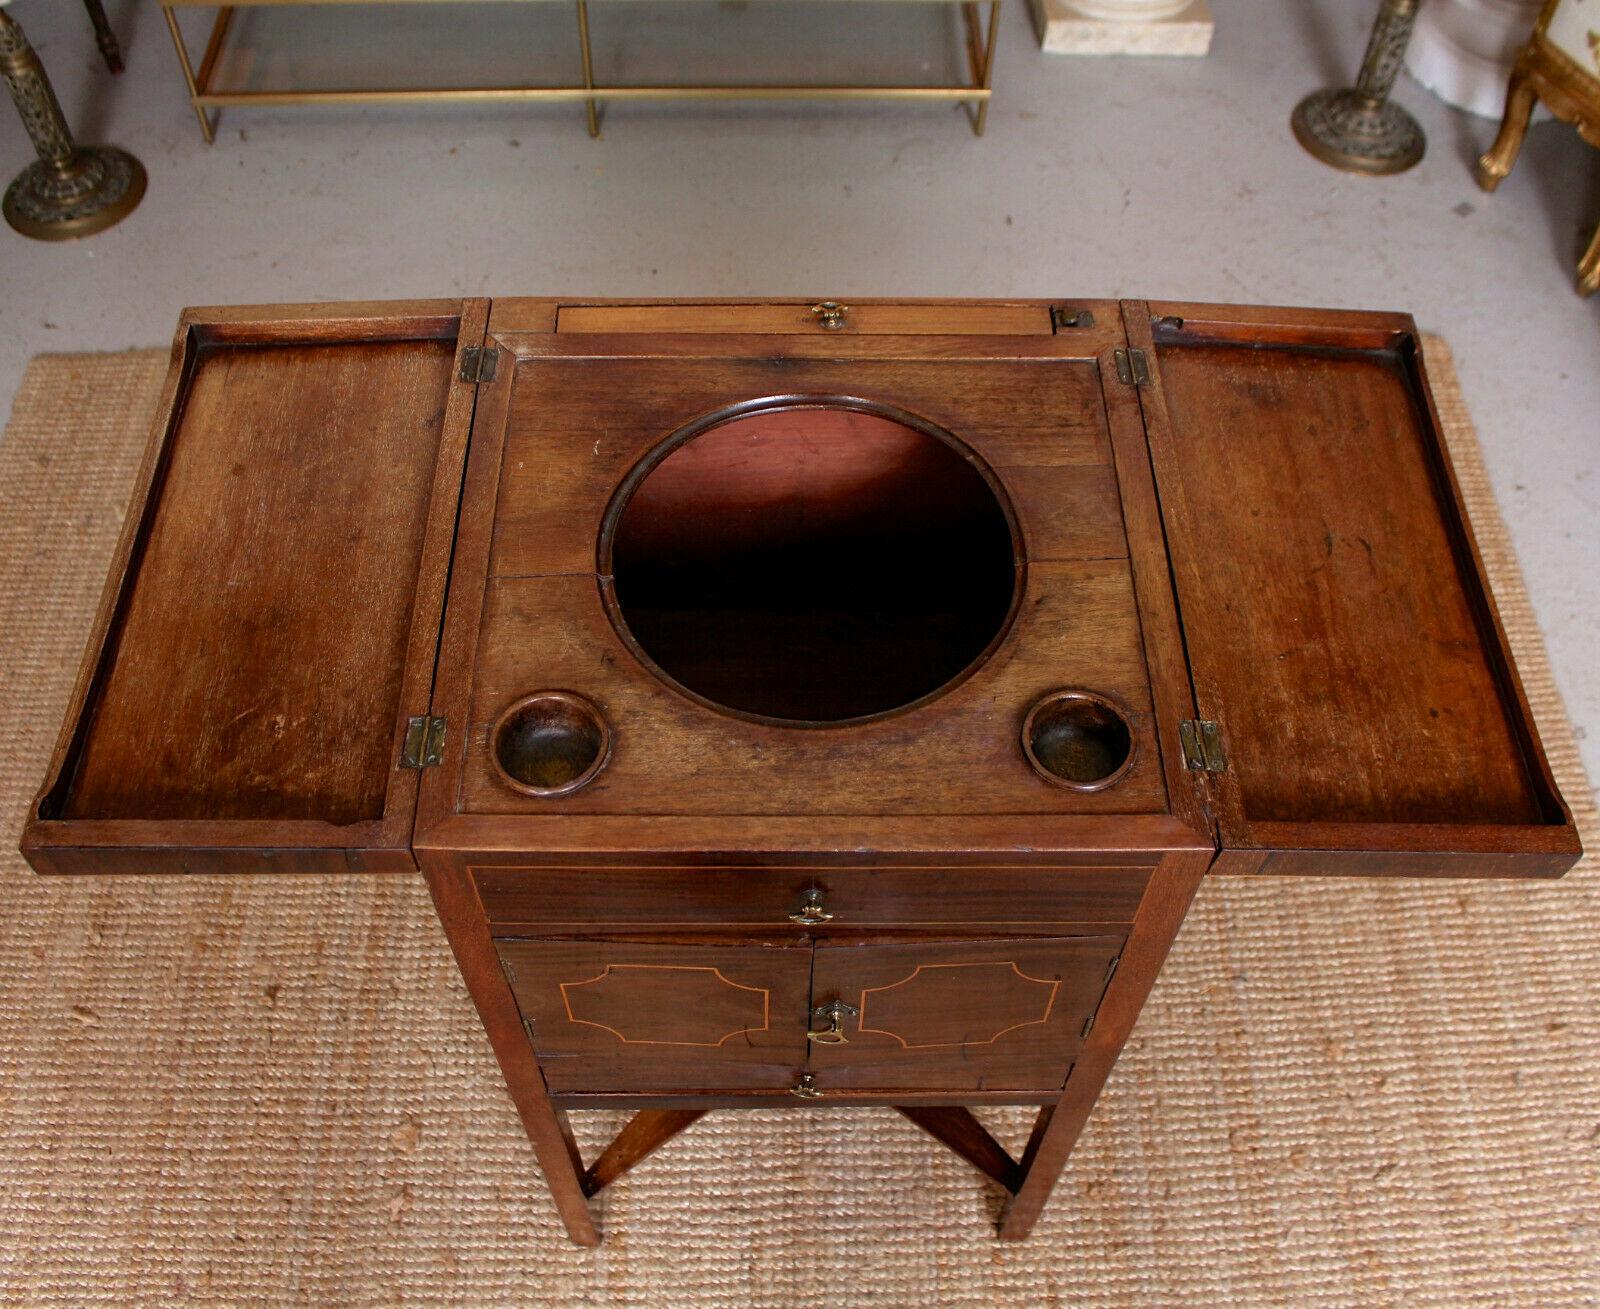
point(1497, 162)
point(546, 1126)
point(1057, 1128)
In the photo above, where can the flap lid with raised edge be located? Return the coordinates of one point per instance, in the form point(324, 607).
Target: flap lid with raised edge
point(1339, 629)
point(271, 622)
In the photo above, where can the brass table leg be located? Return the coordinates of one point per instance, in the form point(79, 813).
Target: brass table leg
point(104, 37)
point(70, 190)
point(207, 128)
point(980, 58)
point(591, 110)
point(1359, 129)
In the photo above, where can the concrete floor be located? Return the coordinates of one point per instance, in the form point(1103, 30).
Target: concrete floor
point(1176, 179)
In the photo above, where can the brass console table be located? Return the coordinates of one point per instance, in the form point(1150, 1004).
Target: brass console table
point(206, 96)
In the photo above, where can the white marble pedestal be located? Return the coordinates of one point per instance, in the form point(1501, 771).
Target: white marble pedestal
point(1123, 27)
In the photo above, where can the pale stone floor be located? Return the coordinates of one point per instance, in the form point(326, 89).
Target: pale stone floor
point(1098, 177)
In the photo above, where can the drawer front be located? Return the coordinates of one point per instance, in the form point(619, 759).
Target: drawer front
point(625, 1016)
point(788, 319)
point(997, 1015)
point(938, 899)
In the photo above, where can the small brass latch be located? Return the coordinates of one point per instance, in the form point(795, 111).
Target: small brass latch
point(424, 745)
point(835, 1011)
point(806, 1088)
point(1202, 745)
point(830, 315)
point(1060, 318)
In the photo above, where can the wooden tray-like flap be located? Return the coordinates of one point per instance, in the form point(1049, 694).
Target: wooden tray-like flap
point(271, 621)
point(1341, 637)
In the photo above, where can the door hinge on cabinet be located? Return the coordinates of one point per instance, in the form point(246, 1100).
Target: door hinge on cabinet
point(1060, 318)
point(1133, 369)
point(511, 977)
point(1202, 745)
point(478, 363)
point(424, 745)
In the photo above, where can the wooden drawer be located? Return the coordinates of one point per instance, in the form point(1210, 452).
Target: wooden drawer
point(939, 899)
point(787, 319)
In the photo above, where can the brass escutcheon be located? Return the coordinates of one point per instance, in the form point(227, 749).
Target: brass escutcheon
point(834, 1011)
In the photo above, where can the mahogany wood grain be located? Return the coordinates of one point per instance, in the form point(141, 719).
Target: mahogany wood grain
point(548, 1133)
point(645, 1133)
point(944, 1015)
point(575, 427)
point(939, 899)
point(218, 618)
point(607, 1015)
point(960, 1131)
point(1056, 1131)
point(896, 319)
point(1340, 630)
point(960, 754)
point(277, 696)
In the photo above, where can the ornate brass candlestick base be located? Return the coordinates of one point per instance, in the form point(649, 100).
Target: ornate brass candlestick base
point(70, 190)
point(1359, 129)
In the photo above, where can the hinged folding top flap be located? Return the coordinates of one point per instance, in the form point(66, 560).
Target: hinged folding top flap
point(271, 622)
point(1358, 710)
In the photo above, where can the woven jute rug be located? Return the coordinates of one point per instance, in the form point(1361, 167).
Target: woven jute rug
point(274, 1091)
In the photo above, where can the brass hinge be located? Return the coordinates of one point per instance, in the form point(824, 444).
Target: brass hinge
point(1111, 970)
point(1133, 369)
point(1088, 1026)
point(1060, 318)
point(478, 363)
point(424, 745)
point(1202, 745)
point(505, 967)
point(527, 1027)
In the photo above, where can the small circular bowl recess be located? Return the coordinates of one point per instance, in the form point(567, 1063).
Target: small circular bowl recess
point(1079, 740)
point(549, 743)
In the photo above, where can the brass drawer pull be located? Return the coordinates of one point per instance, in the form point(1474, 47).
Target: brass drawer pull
point(835, 1012)
point(806, 1088)
point(811, 912)
point(830, 315)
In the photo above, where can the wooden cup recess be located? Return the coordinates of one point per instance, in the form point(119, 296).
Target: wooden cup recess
point(692, 682)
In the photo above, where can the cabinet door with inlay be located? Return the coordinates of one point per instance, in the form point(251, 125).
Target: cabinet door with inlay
point(634, 1016)
point(955, 1015)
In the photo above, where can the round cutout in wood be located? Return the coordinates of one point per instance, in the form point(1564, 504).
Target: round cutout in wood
point(549, 743)
point(810, 561)
point(1079, 740)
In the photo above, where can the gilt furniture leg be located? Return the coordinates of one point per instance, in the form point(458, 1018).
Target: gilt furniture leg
point(1589, 266)
point(547, 1127)
point(1056, 1130)
point(1497, 162)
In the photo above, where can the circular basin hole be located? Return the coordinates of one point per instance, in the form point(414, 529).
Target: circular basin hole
point(1078, 739)
point(549, 743)
point(812, 563)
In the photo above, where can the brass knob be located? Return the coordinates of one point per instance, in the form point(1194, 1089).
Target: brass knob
point(834, 1012)
point(811, 912)
point(830, 315)
point(806, 1088)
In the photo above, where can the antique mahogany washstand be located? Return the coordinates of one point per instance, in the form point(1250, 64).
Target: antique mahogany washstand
point(798, 704)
